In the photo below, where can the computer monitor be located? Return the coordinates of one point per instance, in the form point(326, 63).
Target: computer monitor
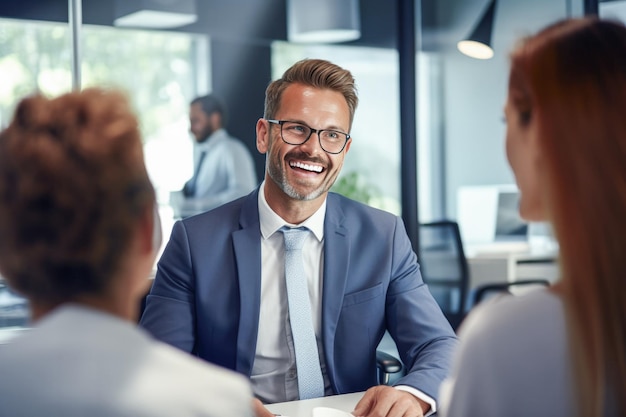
point(489, 213)
point(509, 224)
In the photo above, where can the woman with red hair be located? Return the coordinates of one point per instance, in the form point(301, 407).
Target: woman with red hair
point(560, 351)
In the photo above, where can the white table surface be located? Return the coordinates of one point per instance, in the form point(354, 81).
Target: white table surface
point(8, 333)
point(304, 408)
point(494, 267)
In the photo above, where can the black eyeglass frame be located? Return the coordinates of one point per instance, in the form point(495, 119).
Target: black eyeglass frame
point(318, 131)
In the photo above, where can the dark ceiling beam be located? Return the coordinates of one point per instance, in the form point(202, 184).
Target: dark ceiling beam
point(591, 7)
point(407, 47)
point(54, 10)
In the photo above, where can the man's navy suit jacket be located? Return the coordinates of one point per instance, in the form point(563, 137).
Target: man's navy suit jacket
point(206, 295)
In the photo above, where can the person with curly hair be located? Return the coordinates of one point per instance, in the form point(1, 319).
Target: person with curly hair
point(78, 238)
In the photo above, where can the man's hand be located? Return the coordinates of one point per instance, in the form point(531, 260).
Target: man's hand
point(260, 410)
point(386, 401)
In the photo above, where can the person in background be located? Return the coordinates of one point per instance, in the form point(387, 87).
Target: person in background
point(223, 290)
point(559, 351)
point(223, 167)
point(78, 238)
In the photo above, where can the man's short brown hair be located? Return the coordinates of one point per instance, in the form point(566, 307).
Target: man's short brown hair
point(316, 73)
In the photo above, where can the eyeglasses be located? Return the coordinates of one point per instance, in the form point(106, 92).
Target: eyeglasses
point(294, 133)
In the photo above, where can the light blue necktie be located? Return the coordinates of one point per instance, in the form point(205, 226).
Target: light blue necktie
point(310, 381)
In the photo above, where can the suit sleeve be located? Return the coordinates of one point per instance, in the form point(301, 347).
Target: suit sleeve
point(168, 315)
point(424, 338)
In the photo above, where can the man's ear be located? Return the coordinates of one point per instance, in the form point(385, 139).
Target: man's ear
point(215, 120)
point(347, 148)
point(262, 135)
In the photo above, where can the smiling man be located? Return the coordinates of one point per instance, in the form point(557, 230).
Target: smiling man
point(224, 288)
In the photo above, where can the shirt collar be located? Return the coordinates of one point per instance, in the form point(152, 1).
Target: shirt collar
point(211, 140)
point(271, 222)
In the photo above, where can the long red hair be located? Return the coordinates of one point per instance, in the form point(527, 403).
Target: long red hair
point(572, 78)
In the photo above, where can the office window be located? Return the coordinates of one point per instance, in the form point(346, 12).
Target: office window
point(34, 56)
point(160, 71)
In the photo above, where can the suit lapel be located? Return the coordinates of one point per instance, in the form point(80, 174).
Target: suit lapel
point(247, 247)
point(336, 257)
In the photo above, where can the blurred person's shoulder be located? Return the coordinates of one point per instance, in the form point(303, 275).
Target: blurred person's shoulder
point(194, 382)
point(520, 337)
point(131, 373)
point(504, 314)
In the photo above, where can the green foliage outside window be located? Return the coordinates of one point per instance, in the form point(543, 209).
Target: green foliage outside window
point(353, 185)
point(154, 68)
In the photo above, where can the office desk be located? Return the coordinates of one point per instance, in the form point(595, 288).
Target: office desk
point(488, 267)
point(304, 408)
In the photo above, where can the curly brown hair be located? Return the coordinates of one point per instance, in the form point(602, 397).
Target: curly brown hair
point(73, 185)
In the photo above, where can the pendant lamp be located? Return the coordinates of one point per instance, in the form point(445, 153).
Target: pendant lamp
point(323, 21)
point(478, 43)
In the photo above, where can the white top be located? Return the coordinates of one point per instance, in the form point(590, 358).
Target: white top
point(227, 172)
point(513, 360)
point(79, 362)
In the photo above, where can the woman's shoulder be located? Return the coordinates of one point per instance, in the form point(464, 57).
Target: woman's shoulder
point(537, 311)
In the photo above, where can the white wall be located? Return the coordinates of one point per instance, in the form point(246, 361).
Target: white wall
point(474, 91)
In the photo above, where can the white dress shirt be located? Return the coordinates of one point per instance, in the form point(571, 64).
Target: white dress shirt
point(274, 375)
point(227, 172)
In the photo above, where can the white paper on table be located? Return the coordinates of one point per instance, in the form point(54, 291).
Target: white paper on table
point(330, 412)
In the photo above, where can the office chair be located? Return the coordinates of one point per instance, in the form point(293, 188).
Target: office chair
point(445, 271)
point(388, 364)
point(444, 268)
point(487, 291)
